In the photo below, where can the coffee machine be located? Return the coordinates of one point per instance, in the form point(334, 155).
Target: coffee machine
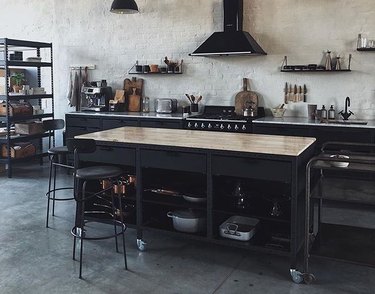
point(95, 98)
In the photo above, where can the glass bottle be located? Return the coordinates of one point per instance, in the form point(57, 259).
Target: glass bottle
point(331, 113)
point(324, 112)
point(146, 104)
point(359, 41)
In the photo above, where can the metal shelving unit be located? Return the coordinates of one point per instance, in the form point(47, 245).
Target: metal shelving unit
point(338, 241)
point(7, 46)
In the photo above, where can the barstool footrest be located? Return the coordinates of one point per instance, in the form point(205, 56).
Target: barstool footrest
point(59, 189)
point(118, 223)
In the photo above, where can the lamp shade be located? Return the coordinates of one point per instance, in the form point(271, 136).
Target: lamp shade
point(124, 7)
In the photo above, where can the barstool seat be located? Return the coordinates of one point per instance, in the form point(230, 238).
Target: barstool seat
point(63, 150)
point(98, 172)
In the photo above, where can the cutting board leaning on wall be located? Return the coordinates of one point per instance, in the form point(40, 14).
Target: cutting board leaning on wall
point(133, 94)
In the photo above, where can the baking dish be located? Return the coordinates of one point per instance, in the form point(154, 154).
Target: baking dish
point(238, 228)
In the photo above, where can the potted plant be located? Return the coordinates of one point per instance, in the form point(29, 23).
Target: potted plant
point(17, 80)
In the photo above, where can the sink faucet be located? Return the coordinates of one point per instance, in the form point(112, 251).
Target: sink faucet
point(345, 115)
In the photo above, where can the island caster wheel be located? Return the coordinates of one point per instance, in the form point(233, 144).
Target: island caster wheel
point(308, 278)
point(141, 245)
point(297, 277)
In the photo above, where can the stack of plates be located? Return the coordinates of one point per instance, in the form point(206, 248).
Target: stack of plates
point(34, 59)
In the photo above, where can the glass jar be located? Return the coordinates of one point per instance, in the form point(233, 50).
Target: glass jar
point(146, 104)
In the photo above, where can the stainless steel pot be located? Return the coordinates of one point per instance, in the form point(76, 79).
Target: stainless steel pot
point(188, 221)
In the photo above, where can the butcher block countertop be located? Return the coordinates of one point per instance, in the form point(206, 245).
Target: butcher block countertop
point(251, 143)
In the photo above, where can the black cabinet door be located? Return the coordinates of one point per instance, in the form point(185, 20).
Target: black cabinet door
point(340, 134)
point(283, 130)
point(79, 125)
point(121, 122)
point(166, 123)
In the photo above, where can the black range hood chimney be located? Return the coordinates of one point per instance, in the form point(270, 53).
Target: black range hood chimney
point(233, 41)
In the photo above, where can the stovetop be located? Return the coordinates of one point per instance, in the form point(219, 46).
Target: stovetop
point(221, 118)
point(228, 116)
point(223, 113)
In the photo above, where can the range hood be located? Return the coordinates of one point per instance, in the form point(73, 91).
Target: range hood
point(233, 40)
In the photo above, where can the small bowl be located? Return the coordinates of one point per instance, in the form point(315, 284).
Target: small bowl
point(278, 112)
point(339, 163)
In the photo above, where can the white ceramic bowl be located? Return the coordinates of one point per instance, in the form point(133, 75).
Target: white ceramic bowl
point(339, 163)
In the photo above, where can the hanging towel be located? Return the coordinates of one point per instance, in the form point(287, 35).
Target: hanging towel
point(70, 88)
point(74, 92)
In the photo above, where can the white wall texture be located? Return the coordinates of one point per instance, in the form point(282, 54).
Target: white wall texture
point(85, 32)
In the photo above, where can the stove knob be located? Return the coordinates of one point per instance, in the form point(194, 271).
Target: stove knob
point(221, 127)
point(229, 127)
point(196, 125)
point(189, 124)
point(209, 126)
point(236, 127)
point(203, 126)
point(244, 128)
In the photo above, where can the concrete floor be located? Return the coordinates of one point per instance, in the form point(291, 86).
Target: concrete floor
point(34, 259)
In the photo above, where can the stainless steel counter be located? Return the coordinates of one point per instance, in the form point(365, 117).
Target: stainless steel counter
point(304, 121)
point(151, 115)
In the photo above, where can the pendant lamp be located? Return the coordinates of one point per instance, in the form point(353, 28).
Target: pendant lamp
point(124, 7)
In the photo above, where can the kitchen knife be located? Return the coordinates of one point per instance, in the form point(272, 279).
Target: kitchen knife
point(304, 93)
point(299, 93)
point(290, 93)
point(286, 93)
point(295, 93)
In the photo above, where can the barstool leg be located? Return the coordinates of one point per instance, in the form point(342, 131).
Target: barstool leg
point(114, 217)
point(49, 189)
point(82, 222)
point(54, 186)
point(123, 232)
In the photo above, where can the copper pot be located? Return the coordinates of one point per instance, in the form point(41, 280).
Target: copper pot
point(106, 184)
point(119, 188)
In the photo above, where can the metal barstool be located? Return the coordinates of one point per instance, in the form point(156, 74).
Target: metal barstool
point(82, 175)
point(55, 153)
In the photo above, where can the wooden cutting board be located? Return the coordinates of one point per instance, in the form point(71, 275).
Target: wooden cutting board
point(134, 101)
point(245, 99)
point(129, 85)
point(133, 83)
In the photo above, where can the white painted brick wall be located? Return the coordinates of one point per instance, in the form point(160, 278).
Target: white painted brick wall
point(86, 32)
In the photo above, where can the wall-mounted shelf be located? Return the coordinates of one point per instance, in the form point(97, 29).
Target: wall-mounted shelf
point(169, 68)
point(365, 49)
point(314, 70)
point(154, 73)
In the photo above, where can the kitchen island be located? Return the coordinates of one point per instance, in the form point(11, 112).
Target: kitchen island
point(269, 169)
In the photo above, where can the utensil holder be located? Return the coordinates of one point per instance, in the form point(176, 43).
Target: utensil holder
point(194, 107)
